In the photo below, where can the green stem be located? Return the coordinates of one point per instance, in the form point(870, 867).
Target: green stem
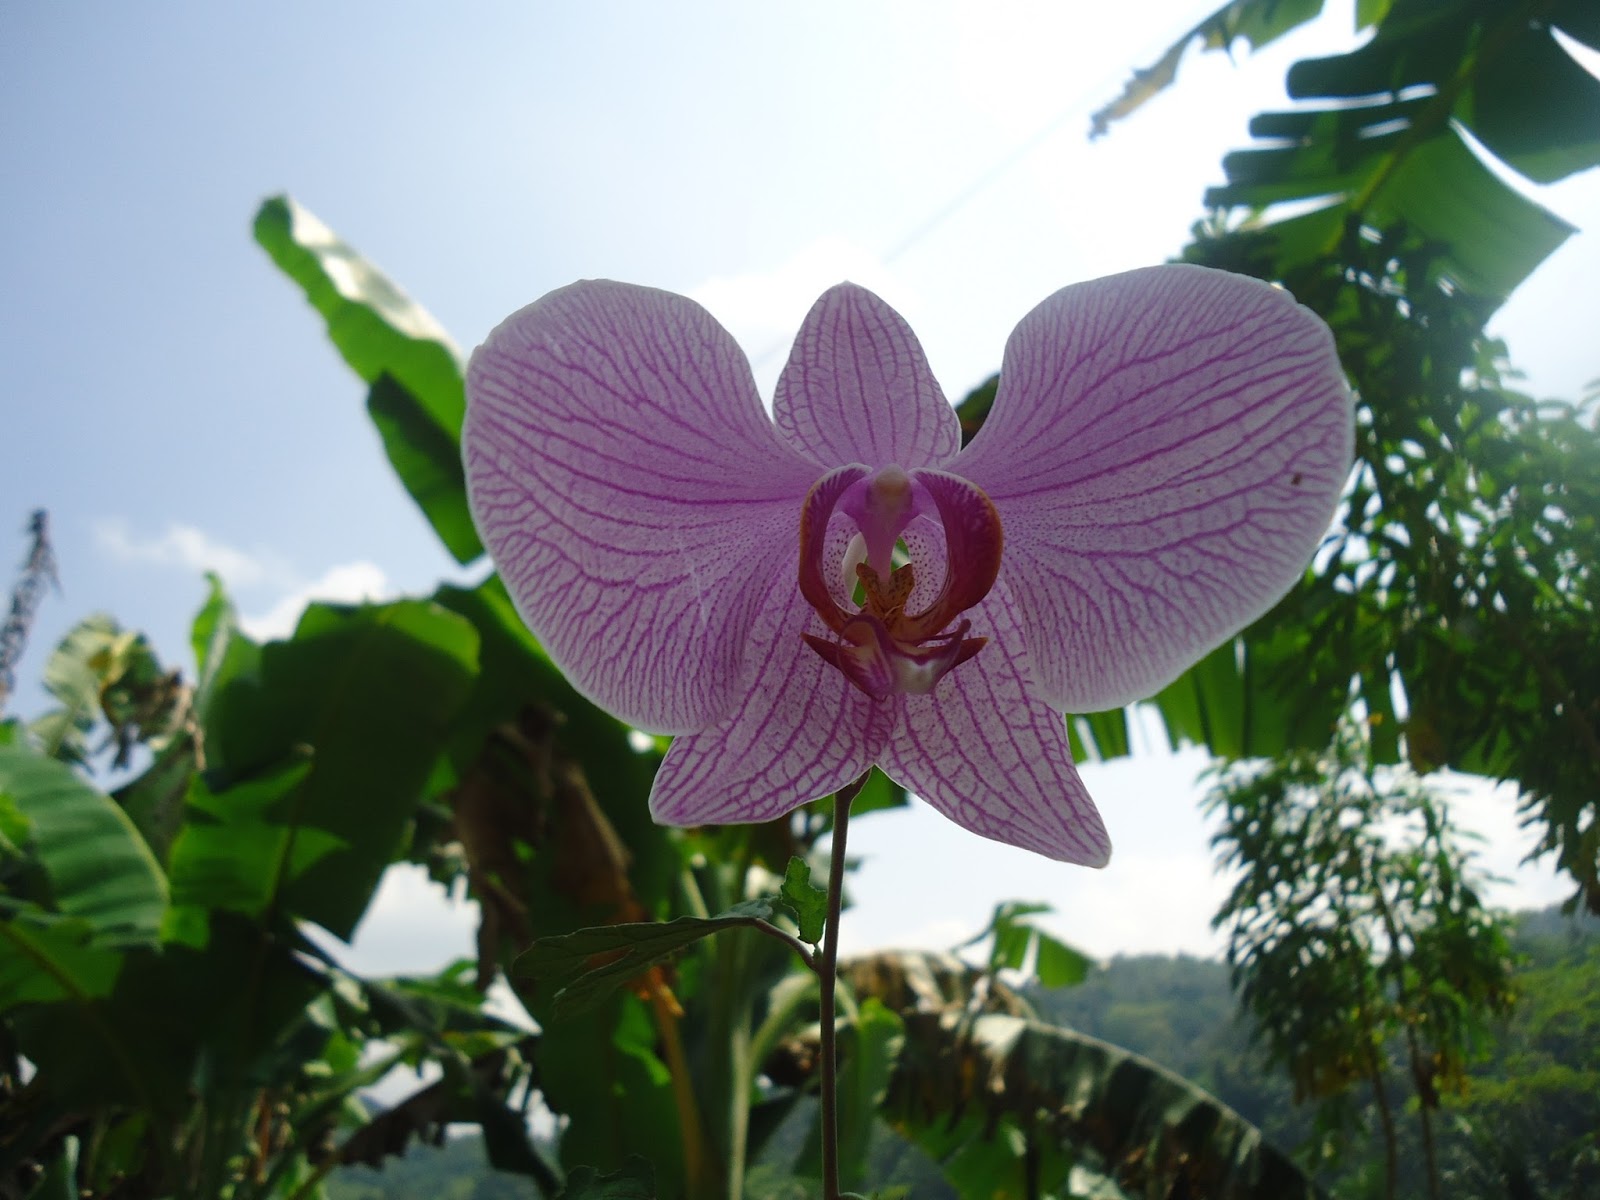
point(827, 975)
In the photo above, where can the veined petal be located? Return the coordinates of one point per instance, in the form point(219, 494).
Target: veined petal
point(633, 493)
point(993, 759)
point(1166, 449)
point(799, 731)
point(857, 388)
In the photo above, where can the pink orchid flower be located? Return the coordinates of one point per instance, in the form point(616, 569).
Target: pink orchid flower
point(801, 596)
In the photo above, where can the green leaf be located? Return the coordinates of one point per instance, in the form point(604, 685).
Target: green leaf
point(60, 1178)
point(221, 650)
point(1041, 1102)
point(635, 1181)
point(632, 949)
point(1015, 939)
point(1058, 964)
point(373, 691)
point(1379, 139)
point(100, 870)
point(154, 800)
point(808, 902)
point(1256, 21)
point(45, 958)
point(1101, 735)
point(428, 460)
point(73, 675)
point(870, 1046)
point(382, 332)
point(231, 855)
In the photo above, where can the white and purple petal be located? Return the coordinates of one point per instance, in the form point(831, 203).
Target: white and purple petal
point(993, 757)
point(857, 388)
point(633, 494)
point(1165, 451)
point(798, 731)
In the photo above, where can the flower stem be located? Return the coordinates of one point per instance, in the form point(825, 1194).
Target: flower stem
point(827, 975)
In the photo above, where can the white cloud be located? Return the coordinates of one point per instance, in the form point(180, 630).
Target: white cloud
point(194, 550)
point(346, 583)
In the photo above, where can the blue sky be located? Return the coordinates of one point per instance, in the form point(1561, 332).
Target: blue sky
point(173, 403)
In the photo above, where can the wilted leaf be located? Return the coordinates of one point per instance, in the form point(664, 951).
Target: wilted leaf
point(989, 1095)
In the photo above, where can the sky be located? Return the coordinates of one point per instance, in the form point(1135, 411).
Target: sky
point(172, 401)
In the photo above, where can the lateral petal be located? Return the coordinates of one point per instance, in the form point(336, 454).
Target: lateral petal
point(633, 493)
point(857, 388)
point(1166, 450)
point(991, 758)
point(799, 731)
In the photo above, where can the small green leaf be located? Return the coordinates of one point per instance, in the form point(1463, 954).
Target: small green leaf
point(637, 947)
point(808, 902)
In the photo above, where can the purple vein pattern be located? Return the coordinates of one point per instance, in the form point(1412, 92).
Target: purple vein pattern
point(1166, 449)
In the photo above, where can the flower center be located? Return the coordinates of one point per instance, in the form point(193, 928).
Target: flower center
point(882, 647)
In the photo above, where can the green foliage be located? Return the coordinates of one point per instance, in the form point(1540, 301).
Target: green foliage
point(1383, 143)
point(626, 951)
point(182, 1032)
point(1354, 921)
point(1461, 576)
point(1530, 1122)
point(100, 671)
point(1003, 1105)
point(417, 399)
point(187, 1039)
point(1016, 944)
point(805, 900)
point(1013, 1107)
point(1526, 1117)
point(1258, 22)
point(96, 868)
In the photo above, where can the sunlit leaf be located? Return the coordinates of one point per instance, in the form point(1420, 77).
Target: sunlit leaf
point(403, 354)
point(1257, 22)
point(100, 870)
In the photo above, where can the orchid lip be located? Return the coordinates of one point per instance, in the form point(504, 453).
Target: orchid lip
point(881, 647)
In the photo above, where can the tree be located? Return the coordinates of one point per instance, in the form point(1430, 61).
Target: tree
point(1355, 923)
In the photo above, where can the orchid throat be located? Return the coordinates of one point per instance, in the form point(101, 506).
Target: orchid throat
point(898, 638)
